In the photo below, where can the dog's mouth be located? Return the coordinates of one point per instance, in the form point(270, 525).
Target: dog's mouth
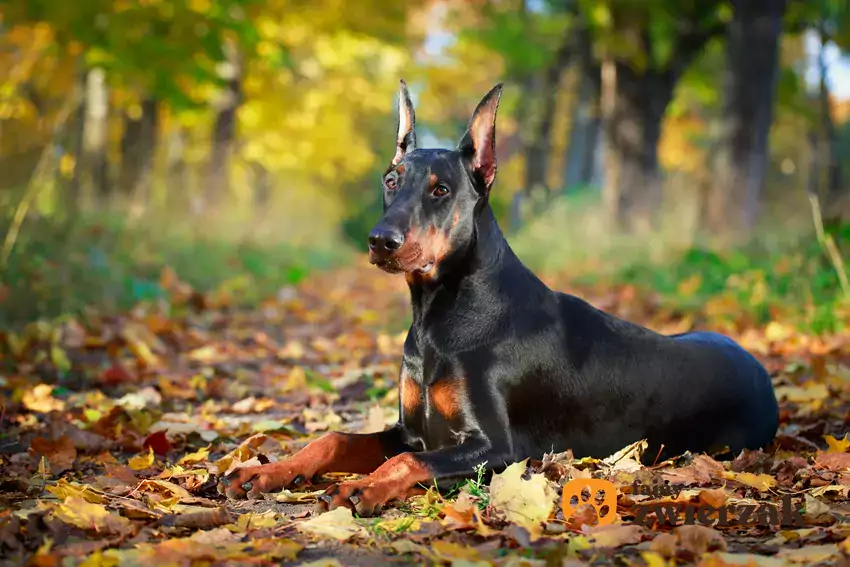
point(395, 266)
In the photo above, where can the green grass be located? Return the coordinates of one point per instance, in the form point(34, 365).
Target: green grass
point(60, 267)
point(782, 274)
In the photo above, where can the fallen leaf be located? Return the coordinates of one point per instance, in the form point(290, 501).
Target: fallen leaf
point(88, 516)
point(338, 524)
point(810, 554)
point(812, 392)
point(761, 482)
point(815, 507)
point(725, 559)
point(527, 503)
point(64, 489)
point(614, 535)
point(142, 461)
point(198, 456)
point(60, 453)
point(40, 400)
point(835, 462)
point(255, 521)
point(203, 519)
point(450, 551)
point(702, 470)
point(837, 445)
point(158, 442)
point(689, 542)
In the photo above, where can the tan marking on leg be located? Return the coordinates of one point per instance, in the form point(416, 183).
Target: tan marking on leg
point(446, 397)
point(411, 394)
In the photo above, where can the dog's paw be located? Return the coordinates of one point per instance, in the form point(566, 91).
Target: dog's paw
point(364, 499)
point(251, 482)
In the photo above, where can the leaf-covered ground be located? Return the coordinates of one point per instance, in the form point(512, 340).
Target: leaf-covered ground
point(115, 427)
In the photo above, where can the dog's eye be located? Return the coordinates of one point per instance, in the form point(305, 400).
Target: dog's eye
point(440, 190)
point(390, 183)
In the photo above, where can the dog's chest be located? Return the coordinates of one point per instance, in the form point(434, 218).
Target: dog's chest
point(433, 403)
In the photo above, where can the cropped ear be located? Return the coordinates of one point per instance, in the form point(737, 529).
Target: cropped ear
point(406, 136)
point(479, 141)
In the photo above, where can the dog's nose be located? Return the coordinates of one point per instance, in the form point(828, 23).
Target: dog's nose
point(384, 243)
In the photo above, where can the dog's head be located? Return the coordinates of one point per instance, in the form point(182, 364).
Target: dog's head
point(432, 196)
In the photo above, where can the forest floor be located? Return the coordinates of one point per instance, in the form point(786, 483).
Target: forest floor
point(114, 429)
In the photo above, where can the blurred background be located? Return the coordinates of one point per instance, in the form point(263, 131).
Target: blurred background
point(696, 148)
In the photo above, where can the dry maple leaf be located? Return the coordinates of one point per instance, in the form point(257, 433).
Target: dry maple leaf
point(338, 524)
point(689, 542)
point(60, 453)
point(614, 535)
point(88, 516)
point(761, 482)
point(142, 461)
point(702, 470)
point(527, 503)
point(836, 462)
point(837, 445)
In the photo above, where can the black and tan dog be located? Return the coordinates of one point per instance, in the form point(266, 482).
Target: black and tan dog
point(497, 367)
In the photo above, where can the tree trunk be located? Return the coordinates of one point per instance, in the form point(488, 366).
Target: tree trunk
point(138, 147)
point(95, 133)
point(262, 186)
point(539, 149)
point(224, 130)
point(633, 107)
point(827, 149)
point(583, 135)
point(177, 174)
point(741, 159)
point(71, 194)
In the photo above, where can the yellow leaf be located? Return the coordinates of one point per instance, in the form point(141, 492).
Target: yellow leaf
point(761, 482)
point(196, 457)
point(64, 490)
point(59, 359)
point(338, 524)
point(67, 163)
point(449, 551)
point(524, 502)
point(88, 516)
point(98, 559)
point(837, 445)
point(142, 461)
point(654, 559)
point(255, 521)
point(40, 400)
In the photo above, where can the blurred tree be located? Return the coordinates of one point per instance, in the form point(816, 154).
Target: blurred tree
point(752, 48)
point(138, 148)
point(644, 50)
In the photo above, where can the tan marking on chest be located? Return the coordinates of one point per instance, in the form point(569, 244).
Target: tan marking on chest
point(411, 394)
point(447, 397)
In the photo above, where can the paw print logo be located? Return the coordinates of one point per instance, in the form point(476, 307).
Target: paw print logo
point(599, 494)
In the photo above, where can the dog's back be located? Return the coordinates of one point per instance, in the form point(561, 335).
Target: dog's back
point(600, 383)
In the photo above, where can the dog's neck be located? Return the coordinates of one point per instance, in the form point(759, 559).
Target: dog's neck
point(468, 272)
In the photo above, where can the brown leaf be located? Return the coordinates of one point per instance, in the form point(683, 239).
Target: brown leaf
point(702, 470)
point(60, 453)
point(614, 535)
point(715, 497)
point(88, 516)
point(836, 462)
point(689, 542)
point(201, 520)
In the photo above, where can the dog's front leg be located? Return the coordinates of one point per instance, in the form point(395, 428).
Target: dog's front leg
point(359, 453)
point(399, 476)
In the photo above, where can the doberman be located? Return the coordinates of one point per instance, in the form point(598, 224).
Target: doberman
point(497, 367)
